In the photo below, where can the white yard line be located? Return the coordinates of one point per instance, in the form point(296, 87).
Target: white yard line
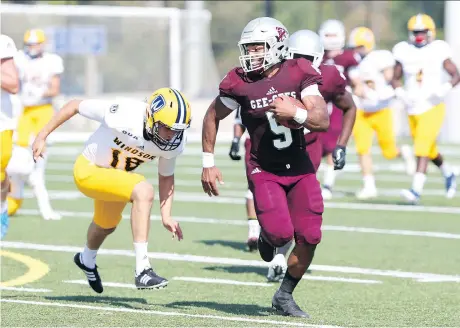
point(162, 313)
point(233, 261)
point(25, 289)
point(397, 232)
point(202, 198)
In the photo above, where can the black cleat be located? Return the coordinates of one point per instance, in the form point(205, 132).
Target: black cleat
point(252, 244)
point(148, 279)
point(284, 304)
point(94, 280)
point(267, 252)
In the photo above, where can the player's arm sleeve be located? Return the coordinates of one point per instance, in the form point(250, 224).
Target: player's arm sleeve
point(94, 109)
point(386, 60)
point(8, 47)
point(444, 50)
point(166, 166)
point(310, 80)
point(226, 94)
point(58, 65)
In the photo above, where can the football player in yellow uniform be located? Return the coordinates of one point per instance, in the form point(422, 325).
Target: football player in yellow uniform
point(39, 73)
point(10, 85)
point(131, 133)
point(423, 61)
point(371, 83)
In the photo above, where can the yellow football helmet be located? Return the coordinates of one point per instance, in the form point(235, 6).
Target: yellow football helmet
point(168, 108)
point(34, 41)
point(422, 30)
point(362, 37)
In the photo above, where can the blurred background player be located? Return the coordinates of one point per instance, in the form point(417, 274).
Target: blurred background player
point(371, 83)
point(10, 85)
point(423, 62)
point(40, 82)
point(333, 37)
point(253, 224)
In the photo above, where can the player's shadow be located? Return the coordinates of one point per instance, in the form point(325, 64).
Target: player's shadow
point(106, 300)
point(241, 269)
point(239, 246)
point(230, 308)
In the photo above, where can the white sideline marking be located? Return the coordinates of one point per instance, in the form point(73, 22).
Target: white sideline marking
point(25, 289)
point(431, 234)
point(340, 279)
point(202, 198)
point(233, 261)
point(178, 314)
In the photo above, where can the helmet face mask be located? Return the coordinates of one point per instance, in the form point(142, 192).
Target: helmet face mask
point(168, 115)
point(263, 43)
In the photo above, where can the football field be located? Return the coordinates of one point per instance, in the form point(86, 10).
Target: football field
point(380, 263)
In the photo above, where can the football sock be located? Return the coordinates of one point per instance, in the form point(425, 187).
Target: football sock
point(418, 182)
point(329, 176)
point(369, 182)
point(446, 170)
point(284, 249)
point(142, 259)
point(4, 207)
point(289, 283)
point(88, 257)
point(254, 228)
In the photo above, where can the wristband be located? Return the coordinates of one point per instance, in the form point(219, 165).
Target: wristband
point(300, 115)
point(208, 160)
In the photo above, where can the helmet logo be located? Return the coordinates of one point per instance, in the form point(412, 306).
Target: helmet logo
point(157, 103)
point(282, 35)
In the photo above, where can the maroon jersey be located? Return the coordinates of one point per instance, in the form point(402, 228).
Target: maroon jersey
point(334, 83)
point(344, 61)
point(275, 148)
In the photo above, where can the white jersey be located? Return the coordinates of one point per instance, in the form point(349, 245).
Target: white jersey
point(379, 92)
point(35, 75)
point(423, 73)
point(7, 50)
point(119, 141)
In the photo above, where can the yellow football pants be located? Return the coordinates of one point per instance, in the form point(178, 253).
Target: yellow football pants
point(31, 121)
point(6, 144)
point(425, 129)
point(111, 190)
point(381, 123)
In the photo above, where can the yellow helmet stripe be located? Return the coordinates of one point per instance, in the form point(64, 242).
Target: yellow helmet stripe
point(182, 112)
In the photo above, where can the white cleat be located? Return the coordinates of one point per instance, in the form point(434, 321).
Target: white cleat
point(409, 160)
point(366, 193)
point(326, 193)
point(277, 268)
point(410, 196)
point(51, 216)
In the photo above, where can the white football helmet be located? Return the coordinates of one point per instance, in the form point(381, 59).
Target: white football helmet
point(270, 33)
point(306, 43)
point(332, 34)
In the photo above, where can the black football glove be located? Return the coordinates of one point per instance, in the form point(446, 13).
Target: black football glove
point(338, 157)
point(235, 149)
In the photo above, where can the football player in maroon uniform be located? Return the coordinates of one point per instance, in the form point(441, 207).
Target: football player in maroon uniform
point(281, 175)
point(332, 35)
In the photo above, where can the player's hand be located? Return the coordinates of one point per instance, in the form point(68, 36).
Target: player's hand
point(234, 150)
point(38, 147)
point(208, 180)
point(174, 227)
point(338, 157)
point(282, 108)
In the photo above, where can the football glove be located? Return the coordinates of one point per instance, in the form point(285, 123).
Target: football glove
point(235, 149)
point(338, 157)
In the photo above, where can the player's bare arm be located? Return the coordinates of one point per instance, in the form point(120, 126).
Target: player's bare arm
point(166, 191)
point(396, 82)
point(54, 87)
point(66, 113)
point(452, 69)
point(344, 101)
point(318, 117)
point(216, 112)
point(9, 76)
